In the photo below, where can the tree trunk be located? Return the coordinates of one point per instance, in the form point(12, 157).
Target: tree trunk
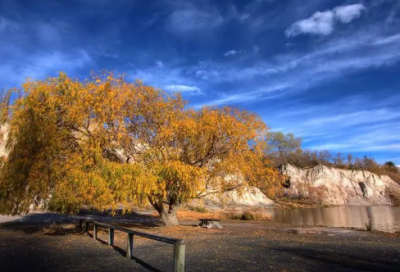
point(167, 213)
point(169, 218)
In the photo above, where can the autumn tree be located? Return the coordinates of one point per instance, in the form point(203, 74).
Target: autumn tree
point(105, 141)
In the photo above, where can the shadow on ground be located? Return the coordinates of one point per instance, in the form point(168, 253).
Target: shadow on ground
point(359, 259)
point(36, 222)
point(53, 242)
point(122, 252)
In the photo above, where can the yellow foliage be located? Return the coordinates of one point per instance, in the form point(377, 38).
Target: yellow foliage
point(62, 132)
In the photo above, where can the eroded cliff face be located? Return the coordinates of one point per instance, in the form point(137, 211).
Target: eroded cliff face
point(249, 196)
point(333, 186)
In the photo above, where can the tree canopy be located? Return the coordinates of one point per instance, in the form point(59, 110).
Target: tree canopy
point(281, 145)
point(105, 141)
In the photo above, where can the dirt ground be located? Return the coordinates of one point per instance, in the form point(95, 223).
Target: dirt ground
point(53, 243)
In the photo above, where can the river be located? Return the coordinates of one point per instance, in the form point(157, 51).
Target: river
point(382, 218)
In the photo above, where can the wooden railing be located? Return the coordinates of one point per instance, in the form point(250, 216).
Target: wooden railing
point(179, 245)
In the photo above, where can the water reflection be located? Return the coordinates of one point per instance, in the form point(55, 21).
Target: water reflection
point(383, 218)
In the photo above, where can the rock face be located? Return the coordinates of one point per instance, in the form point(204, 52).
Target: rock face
point(249, 197)
point(333, 186)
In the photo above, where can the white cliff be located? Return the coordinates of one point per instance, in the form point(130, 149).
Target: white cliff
point(333, 186)
point(249, 196)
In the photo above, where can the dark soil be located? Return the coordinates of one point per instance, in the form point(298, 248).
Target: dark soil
point(56, 245)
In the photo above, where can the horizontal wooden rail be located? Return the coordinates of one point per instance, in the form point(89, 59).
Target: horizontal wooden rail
point(179, 245)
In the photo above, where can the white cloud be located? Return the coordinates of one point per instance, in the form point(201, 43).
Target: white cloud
point(320, 23)
point(183, 89)
point(231, 53)
point(346, 14)
point(323, 23)
point(203, 74)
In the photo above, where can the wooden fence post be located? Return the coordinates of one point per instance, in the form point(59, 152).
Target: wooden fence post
point(129, 246)
point(111, 236)
point(179, 256)
point(179, 245)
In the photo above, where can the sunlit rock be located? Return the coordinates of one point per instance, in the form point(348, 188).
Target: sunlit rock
point(333, 186)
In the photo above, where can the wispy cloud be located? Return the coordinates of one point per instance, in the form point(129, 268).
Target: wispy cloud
point(296, 72)
point(183, 89)
point(188, 19)
point(326, 83)
point(167, 77)
point(262, 93)
point(19, 61)
point(354, 118)
point(388, 40)
point(346, 14)
point(231, 53)
point(323, 23)
point(42, 65)
point(159, 64)
point(351, 130)
point(6, 24)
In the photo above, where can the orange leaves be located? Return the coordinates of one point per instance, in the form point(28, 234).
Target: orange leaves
point(106, 141)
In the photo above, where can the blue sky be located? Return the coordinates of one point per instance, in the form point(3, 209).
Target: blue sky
point(328, 71)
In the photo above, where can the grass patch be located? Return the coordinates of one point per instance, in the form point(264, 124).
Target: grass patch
point(247, 216)
point(197, 209)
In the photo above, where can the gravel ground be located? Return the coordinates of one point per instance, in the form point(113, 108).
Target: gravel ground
point(52, 243)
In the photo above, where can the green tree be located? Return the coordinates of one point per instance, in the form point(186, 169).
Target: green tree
point(281, 145)
point(391, 167)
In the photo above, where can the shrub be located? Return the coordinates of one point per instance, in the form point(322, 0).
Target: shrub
point(246, 215)
point(311, 194)
point(394, 194)
point(394, 176)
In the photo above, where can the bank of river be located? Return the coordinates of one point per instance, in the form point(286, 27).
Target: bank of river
point(381, 218)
